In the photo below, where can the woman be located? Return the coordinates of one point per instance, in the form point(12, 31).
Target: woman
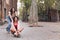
point(10, 16)
point(15, 28)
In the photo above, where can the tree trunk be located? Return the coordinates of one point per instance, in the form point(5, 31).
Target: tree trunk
point(33, 14)
point(57, 16)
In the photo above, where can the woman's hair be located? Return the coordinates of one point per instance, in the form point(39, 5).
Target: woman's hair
point(14, 18)
point(11, 10)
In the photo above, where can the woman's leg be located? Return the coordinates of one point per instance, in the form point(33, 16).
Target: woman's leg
point(17, 32)
point(20, 30)
point(12, 32)
point(9, 24)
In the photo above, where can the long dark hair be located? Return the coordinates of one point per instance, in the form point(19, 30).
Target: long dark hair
point(14, 18)
point(11, 10)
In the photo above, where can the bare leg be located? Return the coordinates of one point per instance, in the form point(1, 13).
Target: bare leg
point(20, 30)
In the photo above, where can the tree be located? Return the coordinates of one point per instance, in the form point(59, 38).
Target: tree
point(43, 9)
point(33, 14)
point(27, 4)
point(58, 8)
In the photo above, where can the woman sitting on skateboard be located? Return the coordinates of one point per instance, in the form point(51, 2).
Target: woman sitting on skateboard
point(15, 28)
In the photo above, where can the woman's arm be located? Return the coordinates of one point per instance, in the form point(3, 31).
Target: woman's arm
point(10, 16)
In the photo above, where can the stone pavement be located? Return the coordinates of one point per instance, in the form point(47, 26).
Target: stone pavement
point(48, 31)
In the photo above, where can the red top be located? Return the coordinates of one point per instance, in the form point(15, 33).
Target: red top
point(15, 25)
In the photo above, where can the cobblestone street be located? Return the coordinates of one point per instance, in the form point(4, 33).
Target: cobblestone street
point(48, 31)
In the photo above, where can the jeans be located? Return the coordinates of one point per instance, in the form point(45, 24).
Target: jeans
point(9, 24)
